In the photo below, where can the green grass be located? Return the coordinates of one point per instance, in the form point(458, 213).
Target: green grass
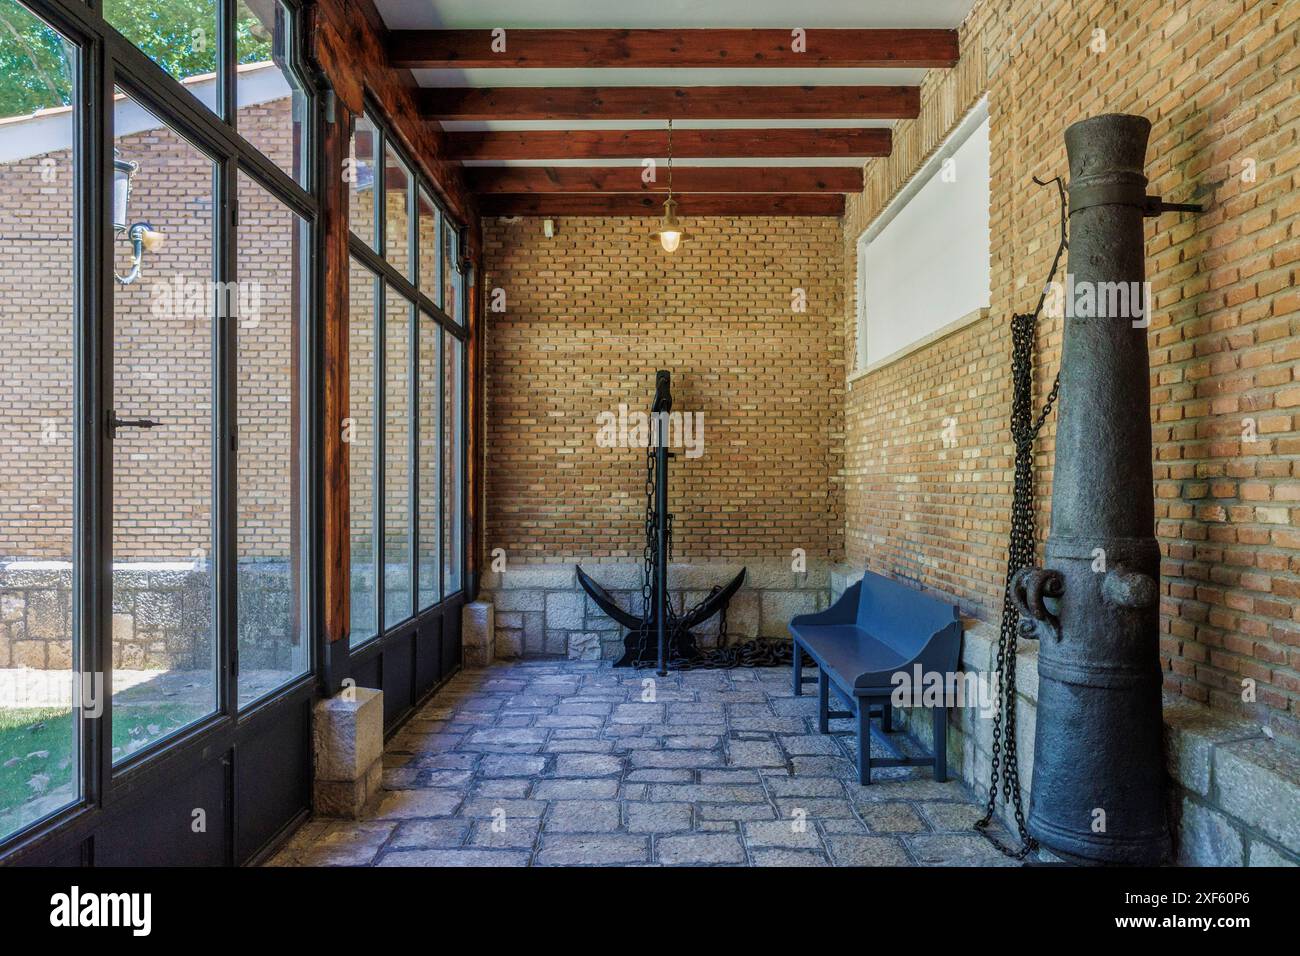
point(38, 753)
point(36, 762)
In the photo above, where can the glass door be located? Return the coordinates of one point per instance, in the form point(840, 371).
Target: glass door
point(41, 688)
point(162, 432)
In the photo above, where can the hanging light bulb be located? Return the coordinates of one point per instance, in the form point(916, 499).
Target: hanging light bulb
point(670, 230)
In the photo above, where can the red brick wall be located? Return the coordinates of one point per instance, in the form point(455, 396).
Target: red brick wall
point(592, 313)
point(1220, 82)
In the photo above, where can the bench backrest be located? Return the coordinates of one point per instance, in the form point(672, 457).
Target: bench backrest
point(901, 616)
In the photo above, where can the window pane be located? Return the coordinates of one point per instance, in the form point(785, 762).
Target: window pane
point(39, 752)
point(272, 647)
point(429, 252)
point(361, 180)
point(359, 432)
point(164, 651)
point(272, 107)
point(180, 36)
point(450, 270)
point(397, 217)
point(429, 493)
point(451, 456)
point(397, 460)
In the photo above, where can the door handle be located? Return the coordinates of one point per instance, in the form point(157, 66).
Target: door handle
point(114, 423)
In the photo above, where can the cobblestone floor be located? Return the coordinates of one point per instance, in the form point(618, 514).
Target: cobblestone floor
point(555, 763)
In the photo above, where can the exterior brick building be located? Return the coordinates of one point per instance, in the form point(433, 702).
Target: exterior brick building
point(163, 327)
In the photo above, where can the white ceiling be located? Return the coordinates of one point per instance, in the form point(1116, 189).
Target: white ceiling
point(684, 14)
point(671, 76)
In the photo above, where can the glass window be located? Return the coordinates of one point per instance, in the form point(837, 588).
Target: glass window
point(267, 306)
point(359, 433)
point(180, 36)
point(272, 105)
point(429, 495)
point(451, 456)
point(361, 180)
point(418, 373)
point(902, 301)
point(397, 215)
point(451, 280)
point(39, 632)
point(429, 217)
point(164, 641)
point(397, 459)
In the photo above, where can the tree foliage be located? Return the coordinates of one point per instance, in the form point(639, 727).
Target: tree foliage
point(179, 35)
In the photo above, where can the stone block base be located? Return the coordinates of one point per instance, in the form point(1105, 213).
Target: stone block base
point(478, 633)
point(348, 741)
point(541, 610)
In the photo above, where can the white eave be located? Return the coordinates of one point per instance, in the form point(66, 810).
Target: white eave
point(50, 130)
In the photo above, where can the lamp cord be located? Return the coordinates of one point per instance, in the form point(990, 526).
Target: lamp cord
point(670, 157)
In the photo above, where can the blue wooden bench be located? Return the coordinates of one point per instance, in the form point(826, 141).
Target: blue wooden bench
point(876, 629)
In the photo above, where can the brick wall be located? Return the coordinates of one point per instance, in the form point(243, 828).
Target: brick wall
point(163, 368)
point(592, 313)
point(1220, 82)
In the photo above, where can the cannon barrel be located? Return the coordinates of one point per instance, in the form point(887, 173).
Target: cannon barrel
point(1098, 775)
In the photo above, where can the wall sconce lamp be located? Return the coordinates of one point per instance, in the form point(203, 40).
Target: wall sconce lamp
point(142, 235)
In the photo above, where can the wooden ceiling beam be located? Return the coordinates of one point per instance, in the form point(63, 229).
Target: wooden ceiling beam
point(687, 143)
point(660, 102)
point(689, 179)
point(641, 49)
point(554, 205)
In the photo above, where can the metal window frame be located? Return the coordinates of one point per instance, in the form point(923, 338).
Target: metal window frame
point(389, 277)
point(106, 61)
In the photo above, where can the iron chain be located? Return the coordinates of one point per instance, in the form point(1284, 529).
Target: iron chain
point(1005, 764)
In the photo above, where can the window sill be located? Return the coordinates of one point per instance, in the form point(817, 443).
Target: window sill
point(969, 318)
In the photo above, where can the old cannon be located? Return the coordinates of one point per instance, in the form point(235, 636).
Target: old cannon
point(1098, 775)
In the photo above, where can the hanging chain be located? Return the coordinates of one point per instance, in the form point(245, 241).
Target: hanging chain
point(1005, 764)
point(647, 553)
point(670, 157)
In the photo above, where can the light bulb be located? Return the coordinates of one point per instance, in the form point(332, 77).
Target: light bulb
point(670, 240)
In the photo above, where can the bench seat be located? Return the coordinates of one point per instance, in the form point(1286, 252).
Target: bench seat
point(879, 628)
point(844, 650)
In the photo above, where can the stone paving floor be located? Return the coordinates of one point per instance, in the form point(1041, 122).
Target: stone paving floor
point(555, 763)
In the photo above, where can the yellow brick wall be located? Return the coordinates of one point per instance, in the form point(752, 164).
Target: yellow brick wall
point(592, 313)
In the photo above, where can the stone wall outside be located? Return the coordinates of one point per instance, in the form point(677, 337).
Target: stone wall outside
point(162, 618)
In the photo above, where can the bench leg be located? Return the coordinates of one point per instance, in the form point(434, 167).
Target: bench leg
point(864, 740)
point(887, 716)
point(940, 717)
point(823, 701)
point(798, 670)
